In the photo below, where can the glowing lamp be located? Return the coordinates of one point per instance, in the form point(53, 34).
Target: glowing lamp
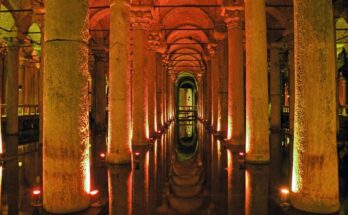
point(137, 154)
point(94, 192)
point(20, 164)
point(284, 197)
point(137, 160)
point(36, 197)
point(241, 155)
point(36, 192)
point(102, 155)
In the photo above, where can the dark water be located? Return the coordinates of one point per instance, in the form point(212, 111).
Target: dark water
point(186, 171)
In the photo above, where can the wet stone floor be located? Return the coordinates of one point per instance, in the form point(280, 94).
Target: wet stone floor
point(186, 171)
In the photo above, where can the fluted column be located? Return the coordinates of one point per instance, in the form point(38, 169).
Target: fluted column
point(140, 22)
point(257, 139)
point(100, 98)
point(119, 128)
point(236, 82)
point(275, 91)
point(65, 99)
point(12, 87)
point(315, 172)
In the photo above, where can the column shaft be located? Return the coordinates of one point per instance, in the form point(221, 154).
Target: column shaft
point(223, 87)
point(159, 89)
point(12, 88)
point(236, 82)
point(257, 140)
point(100, 91)
point(119, 128)
point(315, 172)
point(65, 99)
point(151, 85)
point(275, 90)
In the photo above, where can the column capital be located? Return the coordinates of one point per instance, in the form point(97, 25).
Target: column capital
point(3, 48)
point(212, 48)
point(141, 18)
point(155, 41)
point(234, 18)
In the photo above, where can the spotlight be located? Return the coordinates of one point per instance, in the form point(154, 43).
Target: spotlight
point(284, 197)
point(36, 197)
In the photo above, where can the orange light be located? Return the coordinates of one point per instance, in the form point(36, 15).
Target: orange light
point(94, 192)
point(284, 191)
point(36, 192)
point(102, 155)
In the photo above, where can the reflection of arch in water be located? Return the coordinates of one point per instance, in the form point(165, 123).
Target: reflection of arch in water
point(186, 146)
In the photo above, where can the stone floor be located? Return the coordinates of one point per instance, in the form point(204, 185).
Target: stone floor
point(186, 171)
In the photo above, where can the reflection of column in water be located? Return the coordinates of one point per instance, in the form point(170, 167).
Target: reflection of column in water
point(120, 189)
point(98, 175)
point(141, 182)
point(276, 163)
point(256, 190)
point(235, 184)
point(11, 173)
point(1, 189)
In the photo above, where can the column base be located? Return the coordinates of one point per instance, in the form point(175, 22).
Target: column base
point(67, 211)
point(119, 158)
point(314, 204)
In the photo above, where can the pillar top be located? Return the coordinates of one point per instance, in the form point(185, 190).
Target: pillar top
point(155, 41)
point(233, 18)
point(141, 18)
point(212, 48)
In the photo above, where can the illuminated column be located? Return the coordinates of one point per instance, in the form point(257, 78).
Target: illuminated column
point(65, 99)
point(257, 139)
point(119, 141)
point(41, 82)
point(214, 82)
point(200, 94)
point(151, 67)
point(208, 91)
point(292, 88)
point(100, 97)
point(222, 87)
point(172, 80)
point(12, 87)
point(236, 86)
point(159, 92)
point(275, 91)
point(140, 22)
point(315, 172)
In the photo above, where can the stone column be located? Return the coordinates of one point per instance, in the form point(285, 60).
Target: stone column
point(292, 88)
point(140, 22)
point(12, 87)
point(3, 54)
point(65, 104)
point(100, 97)
point(200, 94)
point(172, 79)
point(315, 172)
point(119, 128)
point(159, 90)
point(275, 90)
point(257, 138)
point(153, 43)
point(236, 82)
point(41, 82)
point(214, 82)
point(222, 87)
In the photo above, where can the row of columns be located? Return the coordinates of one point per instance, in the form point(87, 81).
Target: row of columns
point(312, 103)
point(66, 147)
